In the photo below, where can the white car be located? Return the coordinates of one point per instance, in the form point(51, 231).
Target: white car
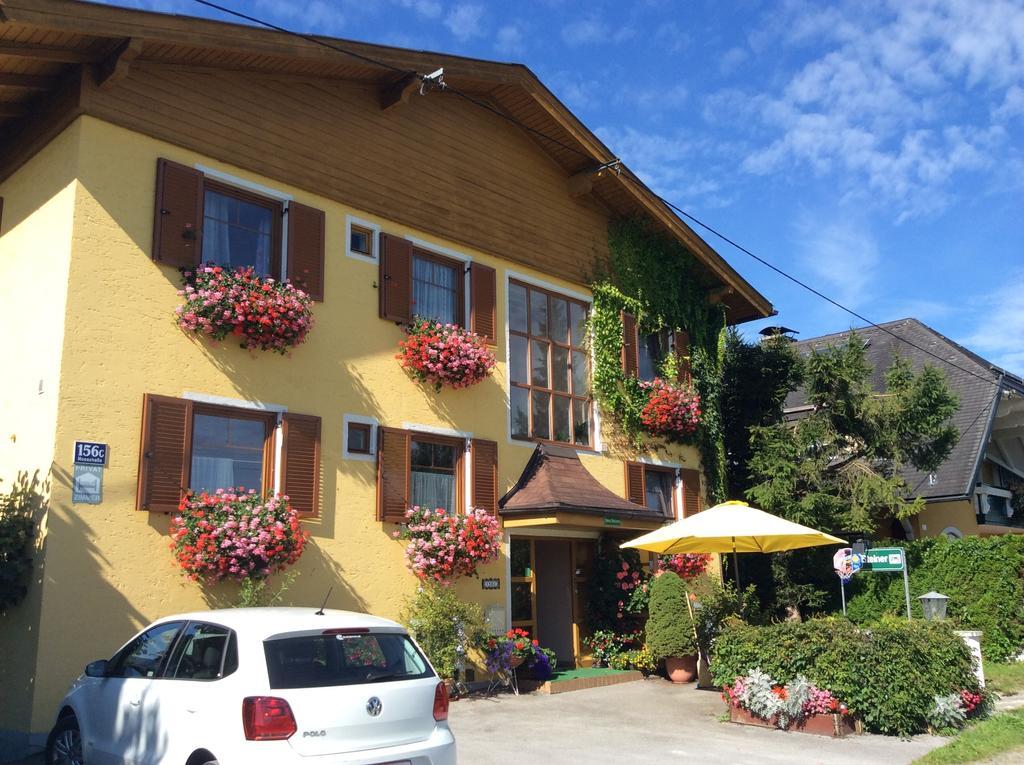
point(258, 686)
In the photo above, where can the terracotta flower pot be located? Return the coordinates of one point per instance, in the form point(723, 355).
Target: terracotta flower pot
point(516, 661)
point(681, 669)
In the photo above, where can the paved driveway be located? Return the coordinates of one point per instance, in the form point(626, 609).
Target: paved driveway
point(645, 722)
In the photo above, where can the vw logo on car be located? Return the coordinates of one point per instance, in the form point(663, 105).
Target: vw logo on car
point(373, 706)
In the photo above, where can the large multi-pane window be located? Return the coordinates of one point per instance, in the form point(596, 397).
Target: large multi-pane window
point(548, 366)
point(437, 288)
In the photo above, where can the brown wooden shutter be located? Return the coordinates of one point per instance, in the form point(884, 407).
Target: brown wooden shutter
point(165, 456)
point(395, 278)
point(635, 489)
point(392, 474)
point(300, 462)
point(483, 295)
point(178, 221)
point(485, 474)
point(306, 249)
point(630, 345)
point(692, 502)
point(683, 364)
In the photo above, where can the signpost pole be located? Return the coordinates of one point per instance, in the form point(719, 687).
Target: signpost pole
point(906, 585)
point(842, 593)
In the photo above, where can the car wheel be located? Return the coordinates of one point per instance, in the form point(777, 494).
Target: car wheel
point(64, 745)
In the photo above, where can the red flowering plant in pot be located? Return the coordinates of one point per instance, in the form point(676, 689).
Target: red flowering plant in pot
point(443, 546)
point(263, 313)
point(236, 534)
point(672, 409)
point(444, 354)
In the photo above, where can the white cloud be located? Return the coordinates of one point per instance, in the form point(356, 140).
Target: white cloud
point(840, 254)
point(1012, 105)
point(593, 29)
point(674, 166)
point(889, 107)
point(464, 21)
point(671, 37)
point(731, 59)
point(509, 41)
point(999, 326)
point(655, 99)
point(428, 9)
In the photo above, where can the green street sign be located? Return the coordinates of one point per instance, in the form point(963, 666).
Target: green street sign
point(885, 559)
point(609, 521)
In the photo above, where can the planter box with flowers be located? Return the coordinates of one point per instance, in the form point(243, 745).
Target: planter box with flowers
point(758, 700)
point(236, 534)
point(443, 546)
point(672, 409)
point(264, 314)
point(444, 355)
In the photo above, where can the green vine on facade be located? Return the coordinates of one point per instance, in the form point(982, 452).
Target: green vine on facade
point(654, 278)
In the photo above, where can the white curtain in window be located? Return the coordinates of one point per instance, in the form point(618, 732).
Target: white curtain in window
point(433, 490)
point(210, 473)
point(236, 245)
point(216, 231)
point(433, 290)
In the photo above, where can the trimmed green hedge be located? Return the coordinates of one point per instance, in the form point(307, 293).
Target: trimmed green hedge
point(887, 675)
point(983, 577)
point(669, 627)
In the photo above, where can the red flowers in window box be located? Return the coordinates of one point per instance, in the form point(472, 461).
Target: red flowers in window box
point(235, 534)
point(444, 546)
point(444, 354)
point(672, 410)
point(264, 314)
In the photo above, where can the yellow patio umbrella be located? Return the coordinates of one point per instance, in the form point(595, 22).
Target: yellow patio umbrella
point(731, 527)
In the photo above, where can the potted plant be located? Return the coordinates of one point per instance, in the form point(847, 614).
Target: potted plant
point(444, 546)
point(444, 354)
point(670, 634)
point(672, 409)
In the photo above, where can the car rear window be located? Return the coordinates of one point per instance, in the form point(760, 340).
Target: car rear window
point(333, 659)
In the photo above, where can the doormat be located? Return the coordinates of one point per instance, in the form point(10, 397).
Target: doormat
point(581, 679)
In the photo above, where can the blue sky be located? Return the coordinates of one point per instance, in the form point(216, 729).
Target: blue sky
point(874, 149)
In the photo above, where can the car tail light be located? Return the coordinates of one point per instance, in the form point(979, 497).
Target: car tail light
point(441, 702)
point(266, 718)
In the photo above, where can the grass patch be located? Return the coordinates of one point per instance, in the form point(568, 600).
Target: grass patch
point(998, 735)
point(1005, 679)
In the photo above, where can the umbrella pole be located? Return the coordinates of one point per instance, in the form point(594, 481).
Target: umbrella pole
point(735, 564)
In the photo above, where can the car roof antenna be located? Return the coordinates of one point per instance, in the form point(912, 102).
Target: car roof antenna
point(324, 604)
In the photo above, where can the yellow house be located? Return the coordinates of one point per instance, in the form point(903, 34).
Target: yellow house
point(127, 138)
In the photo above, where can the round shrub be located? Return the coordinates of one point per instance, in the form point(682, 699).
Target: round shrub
point(445, 627)
point(669, 627)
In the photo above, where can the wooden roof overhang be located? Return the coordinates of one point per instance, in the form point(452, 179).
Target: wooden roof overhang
point(54, 52)
point(556, 489)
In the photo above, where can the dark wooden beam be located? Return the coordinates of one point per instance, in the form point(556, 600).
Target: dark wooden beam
point(13, 110)
point(395, 92)
point(49, 116)
point(115, 67)
point(44, 53)
point(27, 81)
point(718, 294)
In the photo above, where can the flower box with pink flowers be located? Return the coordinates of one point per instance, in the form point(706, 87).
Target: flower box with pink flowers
point(799, 705)
point(444, 355)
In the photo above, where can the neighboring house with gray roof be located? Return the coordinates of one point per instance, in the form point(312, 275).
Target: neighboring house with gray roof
point(972, 491)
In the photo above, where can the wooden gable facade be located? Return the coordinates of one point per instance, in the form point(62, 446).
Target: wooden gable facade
point(495, 163)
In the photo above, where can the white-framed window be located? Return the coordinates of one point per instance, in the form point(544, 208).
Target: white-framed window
point(362, 239)
point(359, 438)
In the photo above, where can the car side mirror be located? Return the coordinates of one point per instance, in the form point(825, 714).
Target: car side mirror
point(96, 668)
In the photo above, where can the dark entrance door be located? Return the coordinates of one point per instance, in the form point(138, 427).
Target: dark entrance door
point(554, 580)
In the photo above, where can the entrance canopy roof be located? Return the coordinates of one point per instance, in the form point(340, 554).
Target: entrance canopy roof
point(555, 484)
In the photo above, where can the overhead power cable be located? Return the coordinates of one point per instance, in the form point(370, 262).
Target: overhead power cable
point(446, 88)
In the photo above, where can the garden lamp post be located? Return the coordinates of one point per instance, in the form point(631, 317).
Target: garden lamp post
point(934, 606)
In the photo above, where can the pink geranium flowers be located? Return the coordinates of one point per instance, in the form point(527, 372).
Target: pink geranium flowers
point(444, 546)
point(672, 410)
point(263, 313)
point(235, 534)
point(444, 355)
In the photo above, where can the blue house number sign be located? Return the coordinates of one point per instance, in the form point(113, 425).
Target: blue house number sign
point(90, 453)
